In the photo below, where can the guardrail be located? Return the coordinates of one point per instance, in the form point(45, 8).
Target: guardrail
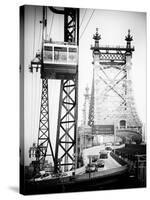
point(118, 159)
point(134, 130)
point(78, 171)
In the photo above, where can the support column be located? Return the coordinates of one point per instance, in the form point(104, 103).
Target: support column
point(44, 130)
point(66, 149)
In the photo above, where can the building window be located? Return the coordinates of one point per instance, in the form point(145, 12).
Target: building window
point(122, 124)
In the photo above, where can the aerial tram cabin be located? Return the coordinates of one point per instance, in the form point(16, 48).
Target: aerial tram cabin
point(60, 60)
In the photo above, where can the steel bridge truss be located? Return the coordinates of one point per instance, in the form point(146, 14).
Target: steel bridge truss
point(110, 59)
point(111, 84)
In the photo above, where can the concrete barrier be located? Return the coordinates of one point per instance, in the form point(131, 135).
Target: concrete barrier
point(119, 160)
point(78, 171)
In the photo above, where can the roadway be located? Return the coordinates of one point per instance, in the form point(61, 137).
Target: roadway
point(111, 166)
point(109, 162)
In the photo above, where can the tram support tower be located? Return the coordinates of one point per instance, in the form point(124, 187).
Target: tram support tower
point(65, 152)
point(112, 102)
point(44, 147)
point(59, 60)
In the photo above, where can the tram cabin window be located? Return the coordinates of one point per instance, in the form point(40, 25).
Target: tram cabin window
point(60, 53)
point(72, 55)
point(47, 54)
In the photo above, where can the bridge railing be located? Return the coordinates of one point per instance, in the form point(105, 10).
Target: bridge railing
point(118, 159)
point(112, 47)
point(134, 130)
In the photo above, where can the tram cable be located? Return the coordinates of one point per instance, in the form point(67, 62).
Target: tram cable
point(34, 32)
point(31, 107)
point(51, 26)
point(87, 24)
point(83, 18)
point(39, 40)
point(35, 100)
point(32, 80)
point(34, 83)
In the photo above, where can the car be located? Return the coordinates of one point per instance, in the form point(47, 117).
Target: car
point(100, 163)
point(38, 175)
point(117, 144)
point(94, 158)
point(108, 149)
point(64, 174)
point(45, 175)
point(91, 168)
point(103, 155)
point(108, 144)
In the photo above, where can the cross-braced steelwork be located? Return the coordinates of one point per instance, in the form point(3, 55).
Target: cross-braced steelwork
point(43, 149)
point(67, 119)
point(66, 132)
point(44, 144)
point(112, 97)
point(70, 24)
point(65, 147)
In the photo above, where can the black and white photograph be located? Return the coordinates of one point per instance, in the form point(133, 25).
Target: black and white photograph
point(82, 99)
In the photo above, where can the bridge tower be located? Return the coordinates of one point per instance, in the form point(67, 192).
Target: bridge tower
point(86, 106)
point(112, 102)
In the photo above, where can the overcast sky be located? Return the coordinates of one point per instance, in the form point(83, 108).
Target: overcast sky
point(113, 27)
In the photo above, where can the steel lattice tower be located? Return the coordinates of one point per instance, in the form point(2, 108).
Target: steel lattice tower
point(44, 147)
point(112, 102)
point(65, 154)
point(44, 136)
point(65, 148)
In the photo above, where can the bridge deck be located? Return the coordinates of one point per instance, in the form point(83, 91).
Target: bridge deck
point(110, 163)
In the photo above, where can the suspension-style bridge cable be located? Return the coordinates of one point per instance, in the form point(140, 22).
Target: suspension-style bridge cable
point(87, 24)
point(83, 18)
